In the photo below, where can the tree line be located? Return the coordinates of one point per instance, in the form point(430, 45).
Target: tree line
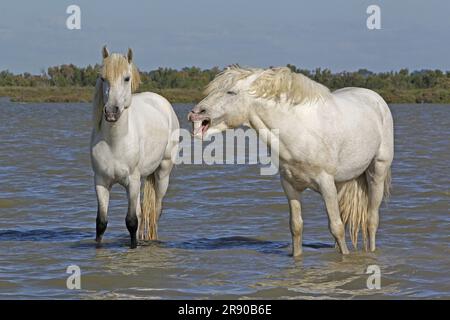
point(196, 78)
point(70, 75)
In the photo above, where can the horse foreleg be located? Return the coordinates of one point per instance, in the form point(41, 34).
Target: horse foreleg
point(328, 190)
point(102, 192)
point(295, 217)
point(133, 191)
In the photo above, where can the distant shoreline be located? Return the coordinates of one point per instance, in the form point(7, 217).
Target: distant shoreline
point(69, 83)
point(177, 95)
point(85, 94)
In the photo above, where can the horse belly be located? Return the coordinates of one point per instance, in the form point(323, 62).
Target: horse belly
point(151, 151)
point(352, 169)
point(299, 175)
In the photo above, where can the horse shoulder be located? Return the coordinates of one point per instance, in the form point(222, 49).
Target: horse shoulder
point(102, 158)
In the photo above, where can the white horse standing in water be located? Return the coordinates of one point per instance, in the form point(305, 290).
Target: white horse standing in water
point(339, 144)
point(131, 140)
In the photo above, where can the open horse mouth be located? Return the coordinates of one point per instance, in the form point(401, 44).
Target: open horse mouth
point(200, 127)
point(112, 116)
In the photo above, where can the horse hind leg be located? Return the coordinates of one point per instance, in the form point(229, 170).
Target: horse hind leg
point(295, 216)
point(329, 194)
point(378, 180)
point(162, 177)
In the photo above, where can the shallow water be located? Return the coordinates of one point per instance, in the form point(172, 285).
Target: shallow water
point(224, 230)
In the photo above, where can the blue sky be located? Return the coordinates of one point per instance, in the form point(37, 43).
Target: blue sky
point(329, 34)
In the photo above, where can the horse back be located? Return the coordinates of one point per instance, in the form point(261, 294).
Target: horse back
point(365, 100)
point(152, 105)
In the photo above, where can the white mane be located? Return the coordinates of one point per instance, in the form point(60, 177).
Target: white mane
point(272, 83)
point(228, 78)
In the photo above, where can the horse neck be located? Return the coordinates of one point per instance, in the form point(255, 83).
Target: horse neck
point(115, 132)
point(259, 117)
point(273, 121)
point(272, 115)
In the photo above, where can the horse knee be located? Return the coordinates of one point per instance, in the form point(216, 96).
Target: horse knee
point(372, 226)
point(296, 228)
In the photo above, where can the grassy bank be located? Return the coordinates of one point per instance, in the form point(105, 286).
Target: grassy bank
point(84, 94)
point(47, 94)
point(429, 95)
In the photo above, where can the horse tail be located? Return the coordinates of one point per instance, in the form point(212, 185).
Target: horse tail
point(353, 205)
point(148, 229)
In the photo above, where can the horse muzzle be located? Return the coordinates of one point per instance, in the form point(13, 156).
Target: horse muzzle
point(112, 114)
point(200, 124)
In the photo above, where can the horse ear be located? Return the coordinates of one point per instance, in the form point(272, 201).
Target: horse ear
point(105, 52)
point(130, 55)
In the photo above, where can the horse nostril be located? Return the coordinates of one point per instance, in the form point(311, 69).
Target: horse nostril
point(198, 110)
point(114, 109)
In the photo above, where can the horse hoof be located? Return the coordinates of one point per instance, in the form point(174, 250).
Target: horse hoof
point(133, 244)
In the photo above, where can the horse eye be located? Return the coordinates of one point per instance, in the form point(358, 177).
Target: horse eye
point(103, 79)
point(231, 92)
point(127, 79)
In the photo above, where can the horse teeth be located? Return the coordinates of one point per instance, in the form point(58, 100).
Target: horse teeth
point(197, 126)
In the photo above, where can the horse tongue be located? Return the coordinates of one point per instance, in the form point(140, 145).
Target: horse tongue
point(204, 128)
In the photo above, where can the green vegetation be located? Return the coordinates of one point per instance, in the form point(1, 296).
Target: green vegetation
point(84, 94)
point(69, 83)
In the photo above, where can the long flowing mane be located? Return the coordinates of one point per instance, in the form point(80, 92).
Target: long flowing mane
point(228, 78)
point(273, 83)
point(113, 67)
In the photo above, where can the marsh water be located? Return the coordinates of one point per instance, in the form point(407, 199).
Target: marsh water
point(224, 231)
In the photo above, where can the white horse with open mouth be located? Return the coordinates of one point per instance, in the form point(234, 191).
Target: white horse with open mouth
point(132, 139)
point(339, 143)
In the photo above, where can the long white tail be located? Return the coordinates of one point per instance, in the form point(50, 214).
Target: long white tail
point(353, 205)
point(148, 227)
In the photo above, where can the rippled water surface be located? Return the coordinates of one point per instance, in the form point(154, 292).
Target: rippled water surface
point(224, 231)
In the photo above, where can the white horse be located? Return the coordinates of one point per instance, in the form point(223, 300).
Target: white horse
point(339, 144)
point(132, 139)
